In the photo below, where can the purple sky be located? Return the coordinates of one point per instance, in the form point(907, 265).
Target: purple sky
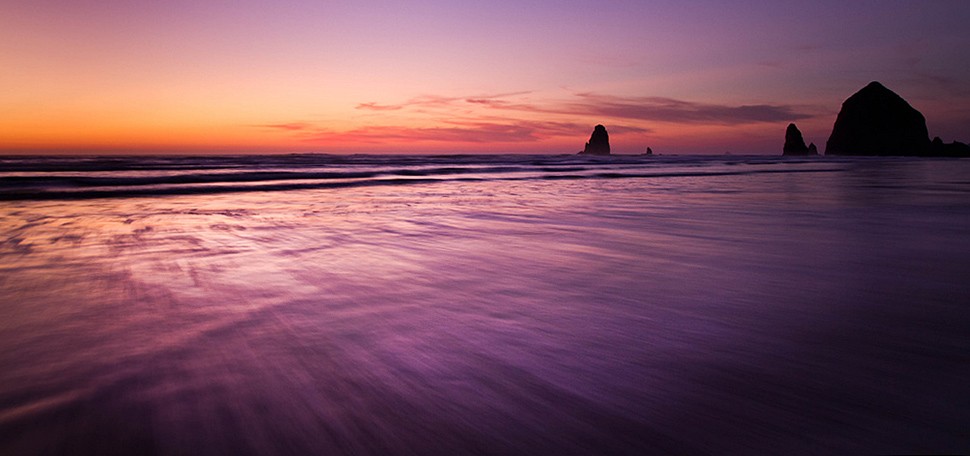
point(432, 76)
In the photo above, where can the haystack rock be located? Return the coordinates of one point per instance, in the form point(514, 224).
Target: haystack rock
point(794, 143)
point(876, 121)
point(599, 142)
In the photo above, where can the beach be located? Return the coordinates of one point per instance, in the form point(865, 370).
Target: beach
point(484, 305)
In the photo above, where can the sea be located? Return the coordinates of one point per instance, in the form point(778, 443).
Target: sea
point(484, 304)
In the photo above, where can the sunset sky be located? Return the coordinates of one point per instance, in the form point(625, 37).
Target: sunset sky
point(177, 76)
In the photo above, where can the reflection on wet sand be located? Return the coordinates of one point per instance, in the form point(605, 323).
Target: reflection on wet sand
point(734, 313)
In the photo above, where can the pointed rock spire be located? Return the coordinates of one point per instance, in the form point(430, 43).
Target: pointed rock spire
point(599, 142)
point(794, 143)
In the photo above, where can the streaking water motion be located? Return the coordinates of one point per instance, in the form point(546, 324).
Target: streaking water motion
point(483, 304)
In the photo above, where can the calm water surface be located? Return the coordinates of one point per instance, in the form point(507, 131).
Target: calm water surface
point(489, 305)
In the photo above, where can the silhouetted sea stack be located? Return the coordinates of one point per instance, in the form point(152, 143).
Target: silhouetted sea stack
point(955, 149)
point(812, 150)
point(794, 143)
point(599, 142)
point(876, 121)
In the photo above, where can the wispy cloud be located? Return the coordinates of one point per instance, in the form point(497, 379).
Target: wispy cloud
point(484, 133)
point(289, 126)
point(463, 131)
point(655, 109)
point(439, 101)
point(512, 118)
point(662, 109)
point(376, 107)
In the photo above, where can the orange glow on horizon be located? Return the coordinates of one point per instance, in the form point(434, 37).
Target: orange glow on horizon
point(434, 77)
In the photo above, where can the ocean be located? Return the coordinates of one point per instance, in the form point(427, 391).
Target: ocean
point(320, 304)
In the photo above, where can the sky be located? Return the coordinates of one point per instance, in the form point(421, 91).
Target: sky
point(681, 77)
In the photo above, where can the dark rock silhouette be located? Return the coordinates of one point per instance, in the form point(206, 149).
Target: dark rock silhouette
point(955, 149)
point(649, 151)
point(812, 150)
point(876, 121)
point(599, 142)
point(794, 143)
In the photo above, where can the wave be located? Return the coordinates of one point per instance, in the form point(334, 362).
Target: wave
point(47, 178)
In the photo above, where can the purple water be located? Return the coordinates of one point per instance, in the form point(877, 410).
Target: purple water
point(484, 305)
